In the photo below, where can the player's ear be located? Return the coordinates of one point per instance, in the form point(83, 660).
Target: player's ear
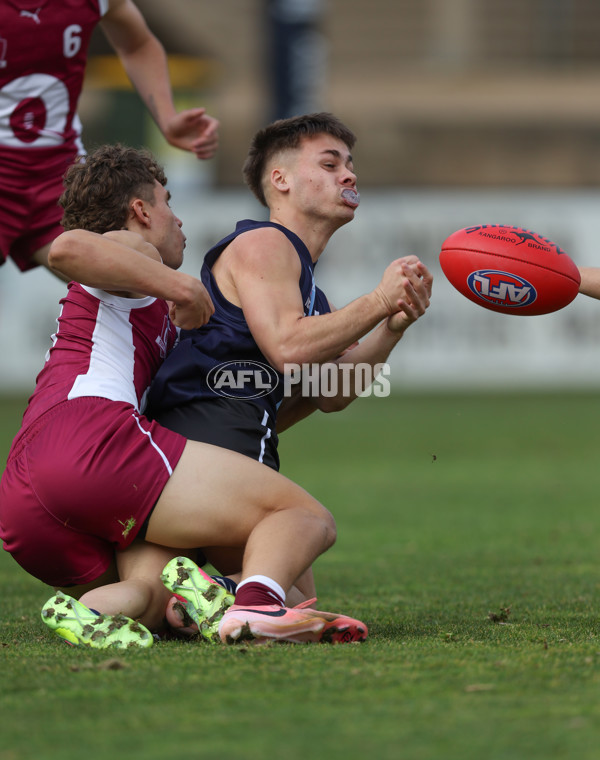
point(138, 212)
point(278, 179)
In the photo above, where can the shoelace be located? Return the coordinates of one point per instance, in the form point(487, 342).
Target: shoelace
point(306, 603)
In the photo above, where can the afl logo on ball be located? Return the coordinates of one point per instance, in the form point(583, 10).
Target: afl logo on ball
point(501, 288)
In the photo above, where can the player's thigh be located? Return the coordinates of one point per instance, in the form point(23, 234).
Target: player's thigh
point(41, 255)
point(35, 213)
point(216, 497)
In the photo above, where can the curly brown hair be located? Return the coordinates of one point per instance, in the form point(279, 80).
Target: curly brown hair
point(286, 134)
point(99, 188)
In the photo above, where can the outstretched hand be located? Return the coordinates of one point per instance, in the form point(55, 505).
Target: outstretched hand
point(417, 283)
point(193, 130)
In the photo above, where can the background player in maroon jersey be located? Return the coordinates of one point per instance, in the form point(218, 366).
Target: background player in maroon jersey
point(43, 54)
point(93, 488)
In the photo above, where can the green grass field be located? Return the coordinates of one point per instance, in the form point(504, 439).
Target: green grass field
point(468, 541)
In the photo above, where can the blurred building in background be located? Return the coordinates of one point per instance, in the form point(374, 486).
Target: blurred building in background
point(466, 111)
point(441, 92)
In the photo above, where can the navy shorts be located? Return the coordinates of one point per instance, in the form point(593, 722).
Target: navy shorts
point(233, 424)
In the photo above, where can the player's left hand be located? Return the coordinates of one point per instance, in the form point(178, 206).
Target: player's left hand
point(194, 309)
point(417, 285)
point(193, 130)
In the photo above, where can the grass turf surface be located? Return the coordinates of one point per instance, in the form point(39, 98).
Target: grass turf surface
point(468, 543)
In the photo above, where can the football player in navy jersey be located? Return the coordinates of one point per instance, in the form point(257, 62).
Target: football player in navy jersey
point(268, 309)
point(269, 312)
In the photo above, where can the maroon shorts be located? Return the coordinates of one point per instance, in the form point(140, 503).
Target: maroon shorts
point(29, 211)
point(79, 484)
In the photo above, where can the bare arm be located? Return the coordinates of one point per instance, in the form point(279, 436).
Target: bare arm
point(123, 263)
point(354, 371)
point(262, 273)
point(145, 62)
point(590, 282)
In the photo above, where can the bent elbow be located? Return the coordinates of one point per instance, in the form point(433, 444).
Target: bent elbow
point(292, 353)
point(282, 358)
point(63, 249)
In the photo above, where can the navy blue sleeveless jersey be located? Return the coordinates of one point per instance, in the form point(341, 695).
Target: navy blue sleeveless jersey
point(221, 359)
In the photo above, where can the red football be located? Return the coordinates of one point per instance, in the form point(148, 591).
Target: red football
point(510, 270)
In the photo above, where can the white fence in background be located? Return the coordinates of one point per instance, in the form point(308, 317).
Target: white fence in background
point(456, 345)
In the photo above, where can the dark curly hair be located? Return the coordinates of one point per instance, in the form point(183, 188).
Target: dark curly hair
point(99, 188)
point(286, 134)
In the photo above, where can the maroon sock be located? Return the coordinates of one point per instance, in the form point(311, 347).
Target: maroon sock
point(255, 594)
